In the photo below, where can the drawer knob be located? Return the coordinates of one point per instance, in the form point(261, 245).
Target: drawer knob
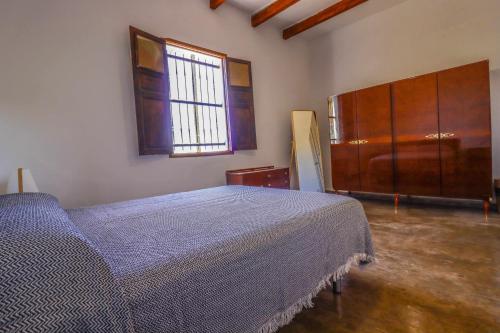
point(268, 175)
point(268, 185)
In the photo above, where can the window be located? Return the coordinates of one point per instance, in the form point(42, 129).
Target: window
point(332, 117)
point(188, 98)
point(197, 101)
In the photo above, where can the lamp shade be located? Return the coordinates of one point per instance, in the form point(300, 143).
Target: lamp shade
point(21, 181)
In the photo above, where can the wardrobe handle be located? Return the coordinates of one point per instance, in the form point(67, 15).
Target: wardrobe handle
point(432, 136)
point(447, 135)
point(358, 142)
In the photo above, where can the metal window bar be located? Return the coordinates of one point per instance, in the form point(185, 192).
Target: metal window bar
point(215, 101)
point(198, 80)
point(196, 106)
point(196, 130)
point(195, 103)
point(194, 61)
point(179, 108)
point(209, 108)
point(200, 144)
point(187, 107)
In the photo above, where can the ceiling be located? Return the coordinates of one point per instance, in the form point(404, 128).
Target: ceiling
point(306, 8)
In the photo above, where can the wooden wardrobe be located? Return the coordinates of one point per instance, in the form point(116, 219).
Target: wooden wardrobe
point(428, 135)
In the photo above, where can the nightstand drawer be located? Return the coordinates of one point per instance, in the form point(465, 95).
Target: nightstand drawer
point(264, 177)
point(275, 174)
point(278, 183)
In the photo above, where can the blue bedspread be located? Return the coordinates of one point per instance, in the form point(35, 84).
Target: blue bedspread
point(51, 278)
point(226, 259)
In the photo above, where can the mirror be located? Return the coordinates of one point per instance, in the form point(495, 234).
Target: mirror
point(306, 163)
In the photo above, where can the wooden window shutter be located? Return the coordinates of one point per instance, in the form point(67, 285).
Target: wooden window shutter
point(241, 110)
point(151, 88)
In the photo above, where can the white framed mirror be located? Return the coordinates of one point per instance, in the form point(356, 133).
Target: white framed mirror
point(306, 160)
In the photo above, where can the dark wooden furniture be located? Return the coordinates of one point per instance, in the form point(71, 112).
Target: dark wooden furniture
point(344, 151)
point(373, 109)
point(362, 155)
point(465, 130)
point(428, 135)
point(416, 142)
point(497, 193)
point(267, 176)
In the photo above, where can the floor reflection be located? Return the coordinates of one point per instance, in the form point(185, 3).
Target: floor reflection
point(438, 271)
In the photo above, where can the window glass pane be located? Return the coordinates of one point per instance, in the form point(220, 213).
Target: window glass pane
point(197, 102)
point(332, 116)
point(332, 130)
point(330, 106)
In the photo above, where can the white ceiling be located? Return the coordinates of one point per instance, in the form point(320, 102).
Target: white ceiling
point(306, 8)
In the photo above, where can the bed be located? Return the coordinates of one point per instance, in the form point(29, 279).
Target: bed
point(225, 259)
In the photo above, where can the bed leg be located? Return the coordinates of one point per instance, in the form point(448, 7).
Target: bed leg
point(337, 287)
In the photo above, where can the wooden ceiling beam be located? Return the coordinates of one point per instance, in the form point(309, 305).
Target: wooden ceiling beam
point(324, 15)
point(271, 10)
point(215, 3)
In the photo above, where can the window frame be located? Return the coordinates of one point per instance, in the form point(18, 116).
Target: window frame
point(223, 57)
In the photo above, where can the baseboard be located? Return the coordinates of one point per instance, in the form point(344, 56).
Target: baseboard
point(417, 200)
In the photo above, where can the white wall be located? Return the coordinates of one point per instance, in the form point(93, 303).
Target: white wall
point(414, 37)
point(66, 94)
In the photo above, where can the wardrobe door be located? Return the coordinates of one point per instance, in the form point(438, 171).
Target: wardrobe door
point(344, 149)
point(415, 122)
point(373, 109)
point(464, 116)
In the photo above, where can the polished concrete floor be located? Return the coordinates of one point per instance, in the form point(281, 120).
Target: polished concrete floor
point(438, 271)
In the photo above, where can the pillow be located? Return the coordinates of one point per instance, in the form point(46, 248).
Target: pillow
point(51, 277)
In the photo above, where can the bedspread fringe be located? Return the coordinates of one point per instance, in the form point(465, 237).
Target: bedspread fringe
point(283, 318)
